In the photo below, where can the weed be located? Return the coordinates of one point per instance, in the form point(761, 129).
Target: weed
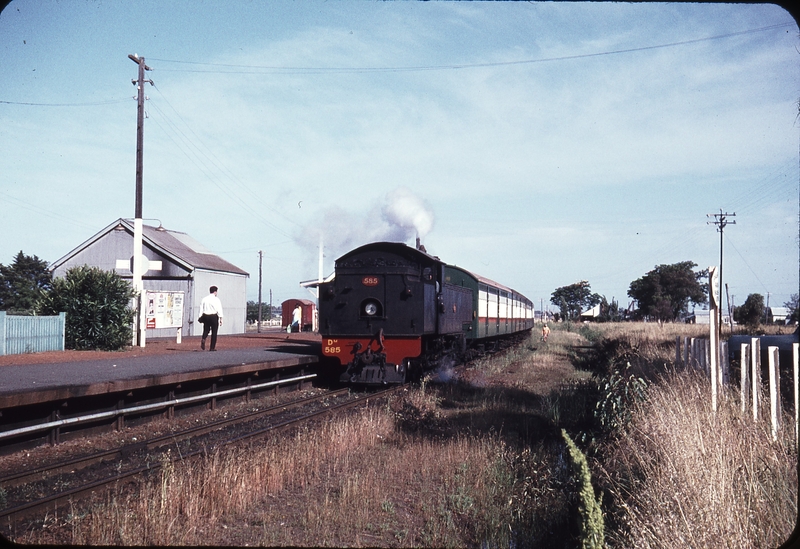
point(591, 529)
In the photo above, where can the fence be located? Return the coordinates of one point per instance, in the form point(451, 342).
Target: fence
point(698, 352)
point(31, 334)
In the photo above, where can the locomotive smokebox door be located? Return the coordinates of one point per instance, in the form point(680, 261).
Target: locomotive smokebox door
point(373, 297)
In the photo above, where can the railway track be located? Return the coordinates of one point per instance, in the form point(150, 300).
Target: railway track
point(27, 493)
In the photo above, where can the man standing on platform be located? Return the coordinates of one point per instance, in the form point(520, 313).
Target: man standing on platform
point(297, 318)
point(211, 317)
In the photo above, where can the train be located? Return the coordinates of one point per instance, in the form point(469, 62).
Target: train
point(393, 311)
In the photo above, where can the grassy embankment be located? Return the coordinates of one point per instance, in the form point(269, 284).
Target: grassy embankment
point(483, 461)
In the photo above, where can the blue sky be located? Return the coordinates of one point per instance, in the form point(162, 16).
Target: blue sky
point(537, 144)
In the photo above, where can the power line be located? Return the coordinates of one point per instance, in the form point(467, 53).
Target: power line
point(90, 104)
point(51, 214)
point(215, 161)
point(258, 69)
point(200, 160)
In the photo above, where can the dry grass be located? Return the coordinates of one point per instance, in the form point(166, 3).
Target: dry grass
point(679, 475)
point(355, 481)
point(687, 477)
point(480, 461)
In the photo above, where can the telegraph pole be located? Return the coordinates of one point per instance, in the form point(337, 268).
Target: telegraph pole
point(721, 220)
point(136, 266)
point(260, 258)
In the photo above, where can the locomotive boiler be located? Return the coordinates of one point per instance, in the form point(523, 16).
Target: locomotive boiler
point(393, 311)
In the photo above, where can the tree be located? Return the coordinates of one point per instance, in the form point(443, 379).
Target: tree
point(609, 312)
point(23, 282)
point(97, 307)
point(793, 305)
point(751, 311)
point(574, 299)
point(665, 292)
point(266, 312)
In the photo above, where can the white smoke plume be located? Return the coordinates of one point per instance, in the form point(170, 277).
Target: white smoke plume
point(400, 218)
point(404, 209)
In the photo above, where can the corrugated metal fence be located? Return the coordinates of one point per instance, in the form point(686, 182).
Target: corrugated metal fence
point(31, 334)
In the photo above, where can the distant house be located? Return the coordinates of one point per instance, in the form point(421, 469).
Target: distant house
point(592, 313)
point(703, 316)
point(778, 315)
point(181, 272)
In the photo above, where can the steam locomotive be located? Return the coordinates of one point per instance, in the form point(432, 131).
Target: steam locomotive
point(393, 311)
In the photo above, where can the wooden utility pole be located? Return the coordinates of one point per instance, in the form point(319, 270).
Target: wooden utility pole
point(136, 267)
point(260, 258)
point(721, 220)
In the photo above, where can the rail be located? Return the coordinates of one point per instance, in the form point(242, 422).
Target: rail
point(78, 492)
point(146, 407)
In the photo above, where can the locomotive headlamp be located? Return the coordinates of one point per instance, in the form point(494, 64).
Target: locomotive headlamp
point(370, 308)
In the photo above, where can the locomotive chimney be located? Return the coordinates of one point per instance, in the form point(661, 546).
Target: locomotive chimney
point(420, 245)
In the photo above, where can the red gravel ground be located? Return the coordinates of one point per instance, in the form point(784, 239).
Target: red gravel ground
point(155, 347)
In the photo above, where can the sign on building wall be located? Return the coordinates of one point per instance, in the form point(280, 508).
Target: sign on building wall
point(164, 310)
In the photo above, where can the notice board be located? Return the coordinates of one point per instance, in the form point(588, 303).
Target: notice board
point(164, 309)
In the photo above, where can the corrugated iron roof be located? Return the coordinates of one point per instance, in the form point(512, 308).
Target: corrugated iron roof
point(183, 246)
point(179, 246)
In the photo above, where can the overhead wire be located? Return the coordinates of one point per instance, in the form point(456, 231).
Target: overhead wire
point(201, 161)
point(728, 240)
point(221, 165)
point(768, 190)
point(87, 104)
point(755, 198)
point(207, 162)
point(38, 209)
point(269, 69)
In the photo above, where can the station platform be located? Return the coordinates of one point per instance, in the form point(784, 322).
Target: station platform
point(45, 377)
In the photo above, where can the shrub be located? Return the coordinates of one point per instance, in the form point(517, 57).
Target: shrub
point(618, 392)
point(96, 303)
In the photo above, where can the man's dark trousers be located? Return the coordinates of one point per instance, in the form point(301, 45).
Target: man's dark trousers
point(211, 323)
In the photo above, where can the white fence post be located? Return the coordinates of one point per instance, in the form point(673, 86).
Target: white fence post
point(796, 369)
point(713, 355)
point(706, 348)
point(724, 365)
point(744, 375)
point(686, 345)
point(774, 390)
point(755, 369)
